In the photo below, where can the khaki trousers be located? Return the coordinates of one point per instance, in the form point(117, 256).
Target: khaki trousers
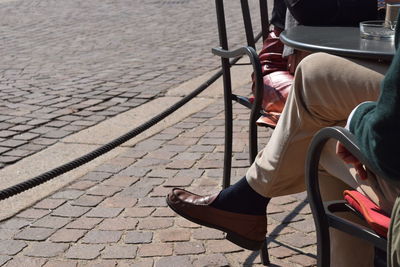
point(326, 89)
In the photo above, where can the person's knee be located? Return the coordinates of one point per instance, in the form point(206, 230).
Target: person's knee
point(314, 64)
point(312, 75)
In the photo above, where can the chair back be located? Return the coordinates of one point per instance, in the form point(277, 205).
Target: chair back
point(247, 20)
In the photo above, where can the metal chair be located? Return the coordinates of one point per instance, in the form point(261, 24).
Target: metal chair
point(226, 54)
point(324, 212)
point(248, 50)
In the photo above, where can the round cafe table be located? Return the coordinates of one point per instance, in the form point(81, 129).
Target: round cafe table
point(342, 41)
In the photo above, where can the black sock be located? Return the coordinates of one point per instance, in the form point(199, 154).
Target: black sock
point(241, 198)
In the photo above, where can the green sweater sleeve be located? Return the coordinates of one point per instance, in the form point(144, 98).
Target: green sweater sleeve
point(376, 125)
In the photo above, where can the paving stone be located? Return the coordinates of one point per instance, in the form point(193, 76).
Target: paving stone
point(119, 202)
point(15, 223)
point(297, 239)
point(67, 210)
point(97, 237)
point(163, 212)
point(135, 171)
point(59, 263)
point(147, 162)
point(35, 234)
point(209, 164)
point(136, 237)
point(181, 164)
point(144, 262)
point(304, 260)
point(300, 208)
point(173, 235)
point(286, 217)
point(6, 234)
point(160, 191)
point(104, 212)
point(138, 212)
point(175, 261)
point(174, 148)
point(149, 145)
point(84, 252)
point(11, 247)
point(282, 252)
point(247, 258)
point(202, 148)
point(51, 222)
point(119, 252)
point(87, 201)
point(189, 248)
point(162, 173)
point(26, 261)
point(204, 233)
point(102, 263)
point(96, 176)
point(271, 209)
point(68, 194)
point(133, 153)
point(18, 152)
point(283, 200)
point(49, 203)
point(33, 213)
point(84, 223)
point(4, 259)
point(279, 229)
point(120, 181)
point(152, 202)
point(155, 223)
point(178, 182)
point(222, 246)
point(153, 250)
point(45, 249)
point(217, 259)
point(305, 226)
point(101, 190)
point(82, 185)
point(13, 143)
point(67, 235)
point(116, 224)
point(110, 168)
point(160, 154)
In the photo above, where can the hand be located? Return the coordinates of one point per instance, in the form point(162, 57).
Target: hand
point(347, 157)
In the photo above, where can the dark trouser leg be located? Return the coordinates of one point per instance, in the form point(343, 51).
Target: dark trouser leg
point(278, 14)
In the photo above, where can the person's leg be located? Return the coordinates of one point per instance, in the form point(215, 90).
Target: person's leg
point(278, 14)
point(382, 192)
point(342, 245)
point(325, 90)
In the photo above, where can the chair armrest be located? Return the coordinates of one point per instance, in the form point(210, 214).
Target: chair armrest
point(321, 217)
point(345, 137)
point(257, 72)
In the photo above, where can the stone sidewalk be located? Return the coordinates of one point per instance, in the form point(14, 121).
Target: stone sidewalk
point(116, 215)
point(68, 65)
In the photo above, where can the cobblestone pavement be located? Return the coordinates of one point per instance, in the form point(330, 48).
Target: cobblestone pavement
point(116, 214)
point(67, 65)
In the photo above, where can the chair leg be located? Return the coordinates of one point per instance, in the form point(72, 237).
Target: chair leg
point(264, 253)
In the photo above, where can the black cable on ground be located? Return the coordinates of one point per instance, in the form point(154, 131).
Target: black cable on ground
point(23, 186)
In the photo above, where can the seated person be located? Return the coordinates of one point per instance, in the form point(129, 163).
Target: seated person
point(279, 62)
point(325, 90)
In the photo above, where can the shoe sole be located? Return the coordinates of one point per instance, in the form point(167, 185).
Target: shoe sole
point(231, 236)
